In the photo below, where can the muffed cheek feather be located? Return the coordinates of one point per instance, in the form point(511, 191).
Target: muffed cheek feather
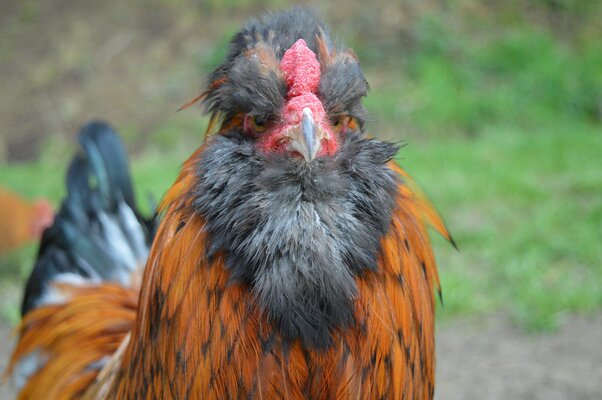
point(330, 144)
point(274, 141)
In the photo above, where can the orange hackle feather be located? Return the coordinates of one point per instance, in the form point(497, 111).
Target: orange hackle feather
point(72, 336)
point(212, 86)
point(198, 334)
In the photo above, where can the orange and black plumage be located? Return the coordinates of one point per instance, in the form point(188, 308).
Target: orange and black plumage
point(292, 258)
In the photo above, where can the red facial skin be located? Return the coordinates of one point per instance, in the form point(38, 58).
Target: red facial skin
point(301, 71)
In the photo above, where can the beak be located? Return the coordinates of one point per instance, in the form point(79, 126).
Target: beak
point(306, 140)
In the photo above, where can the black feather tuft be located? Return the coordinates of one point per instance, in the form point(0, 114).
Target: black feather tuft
point(242, 84)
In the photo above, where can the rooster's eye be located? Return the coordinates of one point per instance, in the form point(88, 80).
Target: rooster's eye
point(344, 123)
point(255, 124)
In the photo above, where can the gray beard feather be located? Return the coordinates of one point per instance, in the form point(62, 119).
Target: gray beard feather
point(297, 233)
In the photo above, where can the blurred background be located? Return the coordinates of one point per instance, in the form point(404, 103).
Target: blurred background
point(499, 103)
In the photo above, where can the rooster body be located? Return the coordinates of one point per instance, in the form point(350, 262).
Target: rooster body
point(292, 259)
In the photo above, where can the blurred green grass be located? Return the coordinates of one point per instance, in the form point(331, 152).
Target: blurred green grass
point(526, 213)
point(504, 124)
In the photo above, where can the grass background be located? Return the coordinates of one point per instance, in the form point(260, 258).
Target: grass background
point(500, 107)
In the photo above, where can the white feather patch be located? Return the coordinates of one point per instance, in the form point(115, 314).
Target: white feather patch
point(54, 295)
point(27, 366)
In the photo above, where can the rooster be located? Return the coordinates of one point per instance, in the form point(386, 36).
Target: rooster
point(22, 221)
point(291, 260)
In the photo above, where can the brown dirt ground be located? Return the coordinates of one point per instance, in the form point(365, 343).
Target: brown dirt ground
point(492, 360)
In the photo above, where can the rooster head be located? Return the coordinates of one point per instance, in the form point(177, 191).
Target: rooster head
point(295, 95)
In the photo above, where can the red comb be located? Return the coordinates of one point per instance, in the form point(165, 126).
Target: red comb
point(301, 69)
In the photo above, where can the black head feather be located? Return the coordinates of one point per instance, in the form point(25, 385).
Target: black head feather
point(242, 84)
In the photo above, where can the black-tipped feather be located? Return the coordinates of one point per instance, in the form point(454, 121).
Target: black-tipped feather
point(98, 234)
point(108, 163)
